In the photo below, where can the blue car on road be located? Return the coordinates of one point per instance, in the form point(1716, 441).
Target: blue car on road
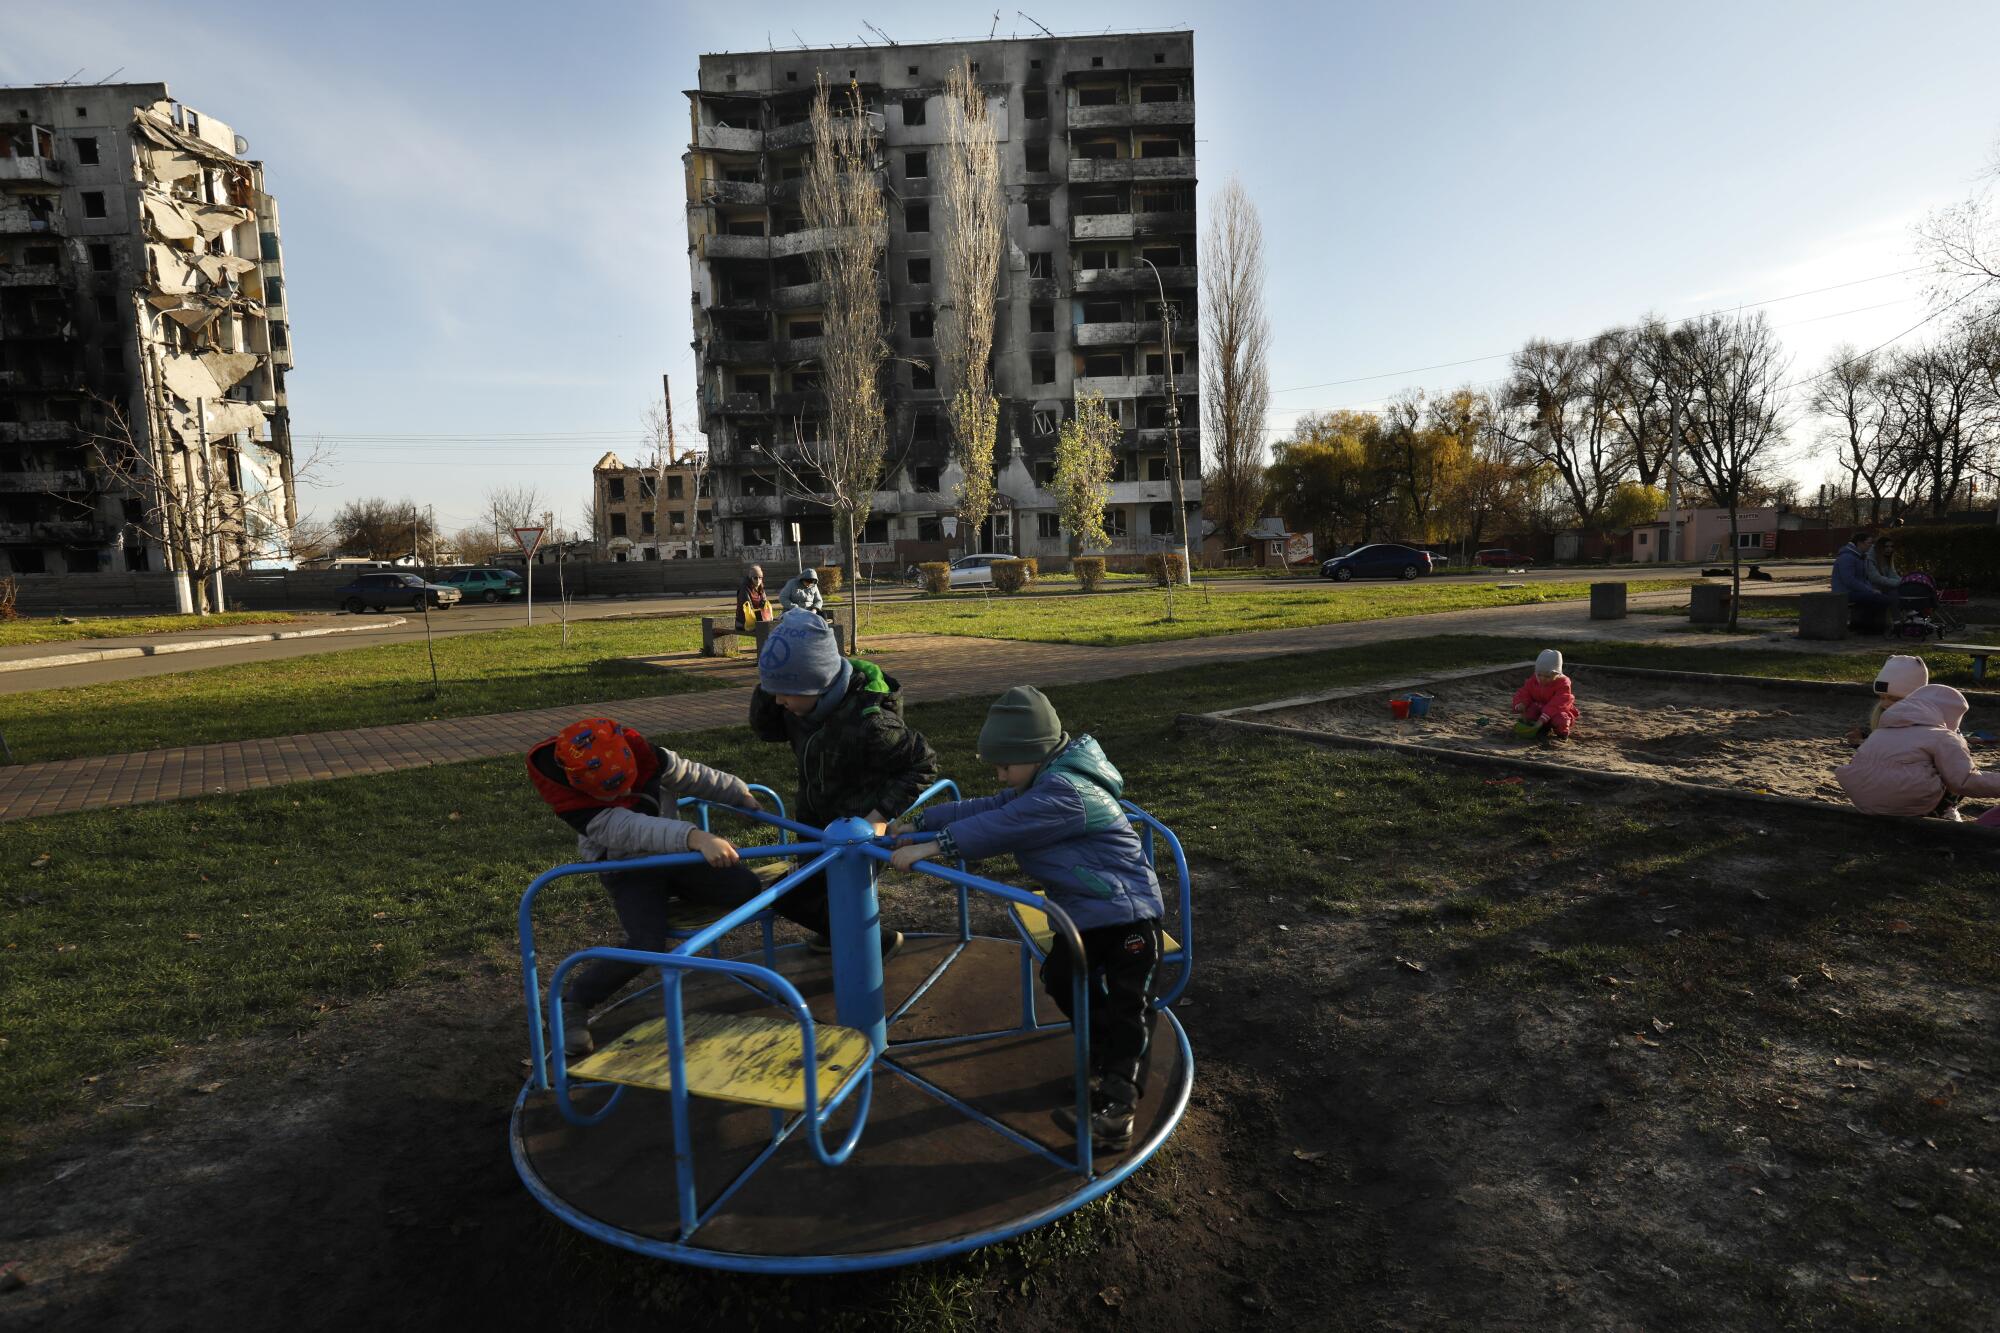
point(1378, 560)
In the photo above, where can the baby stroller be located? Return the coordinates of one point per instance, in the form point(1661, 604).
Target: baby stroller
point(1920, 612)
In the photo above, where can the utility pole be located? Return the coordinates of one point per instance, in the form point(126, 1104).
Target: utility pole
point(1173, 428)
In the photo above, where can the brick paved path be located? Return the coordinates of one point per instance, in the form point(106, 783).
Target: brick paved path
point(929, 667)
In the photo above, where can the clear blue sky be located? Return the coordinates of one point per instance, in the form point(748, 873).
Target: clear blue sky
point(482, 204)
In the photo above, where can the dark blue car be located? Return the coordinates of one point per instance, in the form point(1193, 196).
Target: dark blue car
point(1378, 560)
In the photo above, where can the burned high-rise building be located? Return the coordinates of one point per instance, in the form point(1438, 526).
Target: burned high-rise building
point(1097, 154)
point(143, 337)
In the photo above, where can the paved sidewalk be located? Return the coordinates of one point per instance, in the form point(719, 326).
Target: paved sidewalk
point(929, 667)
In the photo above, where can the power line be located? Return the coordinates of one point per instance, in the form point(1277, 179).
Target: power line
point(1571, 342)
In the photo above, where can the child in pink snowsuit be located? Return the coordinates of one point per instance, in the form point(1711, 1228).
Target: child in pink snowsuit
point(1547, 702)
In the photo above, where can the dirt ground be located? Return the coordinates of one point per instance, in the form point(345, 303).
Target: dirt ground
point(1380, 1138)
point(1754, 737)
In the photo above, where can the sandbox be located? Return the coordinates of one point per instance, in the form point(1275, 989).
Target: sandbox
point(1745, 735)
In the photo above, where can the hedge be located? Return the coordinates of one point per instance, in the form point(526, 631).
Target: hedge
point(1165, 567)
point(829, 577)
point(937, 576)
point(1089, 571)
point(1967, 556)
point(1009, 575)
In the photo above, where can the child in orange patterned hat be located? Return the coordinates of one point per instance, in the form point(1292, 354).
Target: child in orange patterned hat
point(619, 791)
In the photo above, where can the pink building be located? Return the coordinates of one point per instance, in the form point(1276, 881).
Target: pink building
point(1703, 534)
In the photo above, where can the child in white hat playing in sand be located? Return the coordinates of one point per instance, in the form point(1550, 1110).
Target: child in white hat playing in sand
point(1900, 677)
point(1546, 704)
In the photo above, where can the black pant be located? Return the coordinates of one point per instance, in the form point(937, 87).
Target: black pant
point(641, 897)
point(1121, 960)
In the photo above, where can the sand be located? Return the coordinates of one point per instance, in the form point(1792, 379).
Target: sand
point(1756, 738)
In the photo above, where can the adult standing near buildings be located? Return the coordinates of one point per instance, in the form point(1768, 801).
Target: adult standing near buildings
point(752, 602)
point(801, 593)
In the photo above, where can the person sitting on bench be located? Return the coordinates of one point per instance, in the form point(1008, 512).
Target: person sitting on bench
point(1868, 606)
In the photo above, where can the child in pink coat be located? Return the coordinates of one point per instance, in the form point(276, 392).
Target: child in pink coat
point(1915, 763)
point(1547, 703)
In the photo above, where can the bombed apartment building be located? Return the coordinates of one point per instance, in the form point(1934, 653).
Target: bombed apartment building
point(143, 337)
point(1097, 149)
point(653, 511)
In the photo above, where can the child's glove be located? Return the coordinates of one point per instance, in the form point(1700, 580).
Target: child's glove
point(909, 854)
point(718, 852)
point(904, 826)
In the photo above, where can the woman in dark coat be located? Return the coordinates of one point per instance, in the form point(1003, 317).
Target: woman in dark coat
point(752, 602)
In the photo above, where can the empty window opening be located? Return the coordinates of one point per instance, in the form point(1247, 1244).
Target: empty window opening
point(93, 203)
point(917, 217)
point(806, 328)
point(1102, 150)
point(1159, 57)
point(615, 488)
point(1115, 524)
point(1104, 364)
point(1166, 256)
point(1103, 312)
point(100, 258)
point(1042, 368)
point(791, 76)
point(746, 227)
point(1156, 364)
point(924, 430)
point(913, 110)
point(920, 269)
point(1036, 155)
point(1035, 103)
point(1159, 92)
point(1160, 148)
point(913, 71)
point(1038, 212)
point(646, 523)
point(1097, 97)
point(1160, 519)
point(1040, 265)
point(1096, 259)
point(107, 306)
point(924, 479)
point(1048, 526)
point(618, 525)
point(86, 152)
point(1042, 317)
point(922, 323)
point(916, 165)
point(1095, 205)
point(1097, 62)
point(923, 376)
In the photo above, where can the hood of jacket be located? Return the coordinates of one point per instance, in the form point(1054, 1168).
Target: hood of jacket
point(555, 791)
point(1927, 706)
point(1084, 760)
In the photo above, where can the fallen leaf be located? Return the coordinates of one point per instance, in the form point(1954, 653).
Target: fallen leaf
point(39, 861)
point(1112, 1297)
point(376, 947)
point(1856, 1273)
point(1643, 1039)
point(377, 916)
point(454, 816)
point(1900, 926)
point(1610, 980)
point(1410, 964)
point(208, 1087)
point(1905, 1202)
point(191, 935)
point(1760, 895)
point(1306, 1156)
point(1948, 1222)
point(1662, 1027)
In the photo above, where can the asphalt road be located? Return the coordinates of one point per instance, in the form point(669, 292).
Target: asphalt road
point(475, 618)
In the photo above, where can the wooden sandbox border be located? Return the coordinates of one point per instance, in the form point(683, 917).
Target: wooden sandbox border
point(1238, 720)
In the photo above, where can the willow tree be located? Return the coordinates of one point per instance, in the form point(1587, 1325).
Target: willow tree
point(1085, 459)
point(971, 238)
point(842, 196)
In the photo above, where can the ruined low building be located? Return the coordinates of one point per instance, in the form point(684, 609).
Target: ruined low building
point(653, 512)
point(143, 336)
point(1097, 150)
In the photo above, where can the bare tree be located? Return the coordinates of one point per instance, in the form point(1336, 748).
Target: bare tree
point(1866, 431)
point(205, 508)
point(511, 507)
point(1562, 392)
point(1236, 385)
point(1962, 243)
point(1086, 456)
point(1734, 368)
point(970, 242)
point(843, 197)
point(1646, 403)
point(1942, 395)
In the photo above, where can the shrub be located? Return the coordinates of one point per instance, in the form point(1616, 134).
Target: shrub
point(829, 577)
point(937, 576)
point(1089, 571)
point(1966, 556)
point(10, 591)
point(1034, 567)
point(1165, 567)
point(1009, 575)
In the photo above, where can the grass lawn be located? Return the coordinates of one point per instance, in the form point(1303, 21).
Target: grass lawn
point(491, 672)
point(1141, 617)
point(158, 925)
point(41, 629)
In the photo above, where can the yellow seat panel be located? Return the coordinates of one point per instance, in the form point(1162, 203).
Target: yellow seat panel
point(688, 917)
point(1037, 925)
point(733, 1058)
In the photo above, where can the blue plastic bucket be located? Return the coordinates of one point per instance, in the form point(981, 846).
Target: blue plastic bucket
point(1420, 704)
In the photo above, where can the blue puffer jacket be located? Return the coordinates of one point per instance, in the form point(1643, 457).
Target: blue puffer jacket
point(1850, 575)
point(1069, 834)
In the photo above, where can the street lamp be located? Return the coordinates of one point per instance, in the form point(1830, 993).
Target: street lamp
point(1173, 426)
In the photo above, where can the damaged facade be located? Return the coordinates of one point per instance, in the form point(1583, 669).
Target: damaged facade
point(1097, 154)
point(653, 513)
point(140, 270)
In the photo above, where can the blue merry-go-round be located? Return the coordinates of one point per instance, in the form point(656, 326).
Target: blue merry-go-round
point(733, 1117)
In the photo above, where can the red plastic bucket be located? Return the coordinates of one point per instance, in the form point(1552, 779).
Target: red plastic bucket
point(1399, 709)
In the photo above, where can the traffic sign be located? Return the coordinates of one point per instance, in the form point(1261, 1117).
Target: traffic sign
point(528, 539)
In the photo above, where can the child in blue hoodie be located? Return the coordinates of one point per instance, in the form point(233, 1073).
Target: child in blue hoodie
point(1060, 817)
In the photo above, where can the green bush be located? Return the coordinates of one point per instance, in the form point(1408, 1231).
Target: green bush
point(937, 576)
point(829, 578)
point(1957, 557)
point(1165, 567)
point(1009, 575)
point(1089, 571)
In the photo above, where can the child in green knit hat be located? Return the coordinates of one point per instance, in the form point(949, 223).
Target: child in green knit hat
point(1060, 817)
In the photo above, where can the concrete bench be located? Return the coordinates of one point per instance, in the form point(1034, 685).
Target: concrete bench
point(1823, 615)
point(1607, 601)
point(1708, 605)
point(1977, 652)
point(718, 637)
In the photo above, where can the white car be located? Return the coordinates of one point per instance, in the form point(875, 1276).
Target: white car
point(975, 571)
